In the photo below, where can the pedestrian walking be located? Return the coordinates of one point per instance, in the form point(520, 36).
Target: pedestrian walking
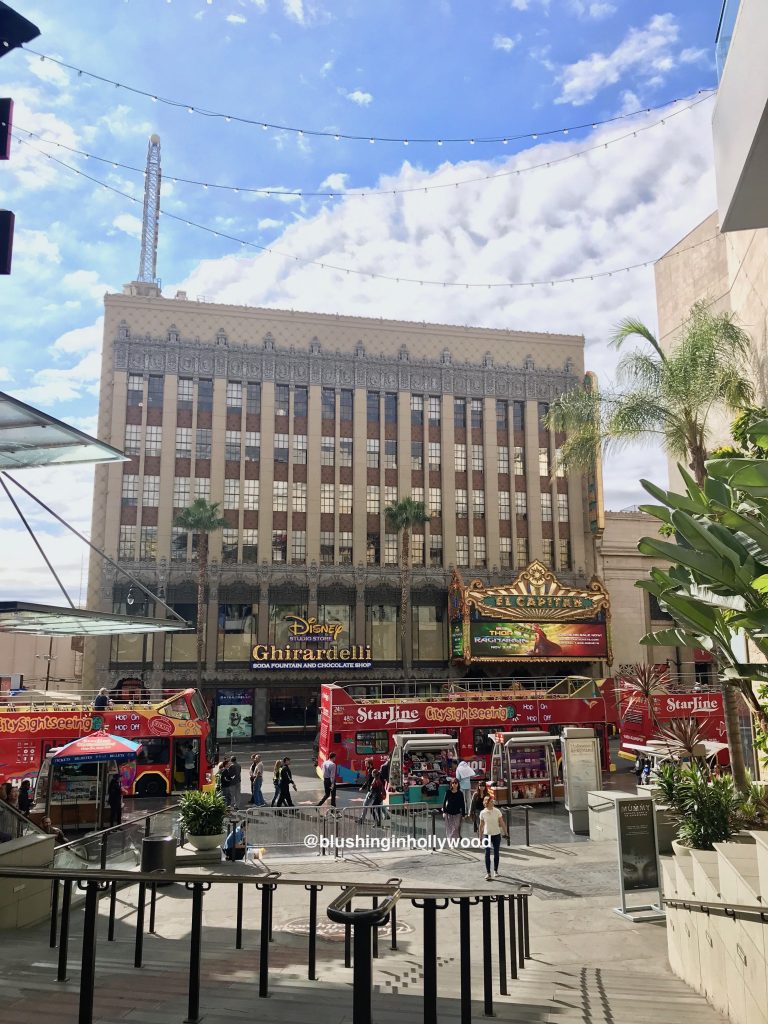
point(286, 781)
point(492, 828)
point(257, 778)
point(453, 810)
point(384, 770)
point(25, 797)
point(276, 780)
point(366, 788)
point(190, 767)
point(478, 798)
point(237, 771)
point(228, 777)
point(378, 791)
point(115, 800)
point(465, 773)
point(329, 780)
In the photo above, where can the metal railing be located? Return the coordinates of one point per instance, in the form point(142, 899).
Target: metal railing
point(361, 930)
point(732, 910)
point(15, 824)
point(118, 843)
point(725, 26)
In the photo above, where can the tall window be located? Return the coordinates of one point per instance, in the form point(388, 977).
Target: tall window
point(548, 552)
point(417, 548)
point(202, 443)
point(299, 497)
point(372, 500)
point(372, 453)
point(546, 507)
point(279, 546)
point(345, 499)
point(382, 631)
point(390, 549)
point(326, 547)
point(390, 496)
point(521, 504)
point(252, 446)
point(502, 418)
point(477, 458)
point(544, 462)
point(460, 458)
point(462, 551)
point(521, 551)
point(299, 449)
point(477, 413)
point(229, 544)
point(155, 392)
point(234, 395)
point(460, 412)
point(478, 546)
point(132, 439)
point(519, 461)
point(327, 451)
point(253, 399)
point(417, 455)
point(478, 504)
point(251, 495)
point(181, 485)
point(130, 491)
point(504, 507)
point(231, 493)
point(434, 455)
point(280, 495)
point(203, 487)
point(417, 410)
point(417, 493)
point(327, 498)
point(435, 501)
point(372, 549)
point(153, 440)
point(150, 495)
point(250, 545)
point(204, 395)
point(372, 407)
point(328, 404)
point(435, 549)
point(434, 410)
point(390, 408)
point(345, 548)
point(299, 547)
point(503, 459)
point(345, 451)
point(282, 399)
point(564, 551)
point(346, 405)
point(505, 552)
point(562, 508)
point(185, 391)
point(127, 543)
point(179, 539)
point(281, 447)
point(543, 413)
point(390, 455)
point(559, 467)
point(148, 543)
point(232, 445)
point(518, 415)
point(300, 403)
point(135, 389)
point(461, 503)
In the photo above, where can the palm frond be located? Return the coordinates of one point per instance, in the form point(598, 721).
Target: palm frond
point(631, 328)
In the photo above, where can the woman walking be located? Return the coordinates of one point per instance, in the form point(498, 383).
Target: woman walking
point(478, 798)
point(257, 777)
point(276, 771)
point(492, 828)
point(366, 788)
point(378, 790)
point(453, 810)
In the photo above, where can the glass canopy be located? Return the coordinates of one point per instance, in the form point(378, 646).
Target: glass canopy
point(48, 620)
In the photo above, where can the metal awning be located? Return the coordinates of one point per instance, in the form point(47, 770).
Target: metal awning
point(29, 437)
point(48, 620)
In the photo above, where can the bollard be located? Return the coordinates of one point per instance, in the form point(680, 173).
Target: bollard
point(487, 959)
point(66, 903)
point(502, 938)
point(112, 909)
point(312, 954)
point(239, 921)
point(139, 948)
point(54, 912)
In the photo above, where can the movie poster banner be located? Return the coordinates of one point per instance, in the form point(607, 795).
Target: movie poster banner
point(538, 640)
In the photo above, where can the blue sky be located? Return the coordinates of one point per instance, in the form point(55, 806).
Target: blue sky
point(406, 68)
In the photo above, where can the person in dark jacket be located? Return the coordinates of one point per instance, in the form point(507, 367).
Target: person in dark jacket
point(25, 797)
point(366, 788)
point(478, 802)
point(286, 781)
point(453, 810)
point(378, 791)
point(115, 800)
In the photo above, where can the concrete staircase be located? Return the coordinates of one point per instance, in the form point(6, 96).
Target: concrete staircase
point(721, 955)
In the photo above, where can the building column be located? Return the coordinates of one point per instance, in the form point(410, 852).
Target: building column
point(533, 480)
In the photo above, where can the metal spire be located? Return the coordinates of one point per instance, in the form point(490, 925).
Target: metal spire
point(151, 219)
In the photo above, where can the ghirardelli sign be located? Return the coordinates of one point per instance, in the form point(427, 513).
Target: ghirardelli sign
point(695, 704)
point(389, 715)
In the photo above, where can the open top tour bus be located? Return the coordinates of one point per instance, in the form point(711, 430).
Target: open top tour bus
point(421, 766)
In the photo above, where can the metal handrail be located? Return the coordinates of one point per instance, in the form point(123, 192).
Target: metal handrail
point(726, 909)
point(377, 915)
point(91, 836)
point(22, 824)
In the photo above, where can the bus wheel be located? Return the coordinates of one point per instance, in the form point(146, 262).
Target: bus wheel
point(152, 786)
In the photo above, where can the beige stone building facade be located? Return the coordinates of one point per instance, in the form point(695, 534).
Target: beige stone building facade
point(55, 661)
point(305, 427)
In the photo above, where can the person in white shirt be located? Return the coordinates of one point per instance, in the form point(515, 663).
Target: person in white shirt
point(329, 780)
point(465, 773)
point(492, 828)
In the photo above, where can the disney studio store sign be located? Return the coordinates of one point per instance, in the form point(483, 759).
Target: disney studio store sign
point(311, 645)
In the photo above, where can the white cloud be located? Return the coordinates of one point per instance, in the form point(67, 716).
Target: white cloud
point(506, 43)
point(85, 283)
point(122, 122)
point(640, 50)
point(266, 223)
point(260, 5)
point(79, 340)
point(691, 55)
point(601, 10)
point(593, 211)
point(362, 99)
point(67, 383)
point(5, 374)
point(35, 247)
point(128, 223)
point(326, 68)
point(335, 182)
point(305, 12)
point(47, 71)
point(294, 9)
point(236, 19)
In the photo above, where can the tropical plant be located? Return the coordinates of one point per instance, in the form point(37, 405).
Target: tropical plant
point(401, 518)
point(667, 396)
point(684, 737)
point(753, 808)
point(708, 809)
point(201, 519)
point(641, 684)
point(666, 779)
point(202, 814)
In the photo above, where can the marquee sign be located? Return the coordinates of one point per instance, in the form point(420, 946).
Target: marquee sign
point(535, 618)
point(312, 645)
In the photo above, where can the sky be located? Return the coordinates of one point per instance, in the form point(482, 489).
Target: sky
point(589, 198)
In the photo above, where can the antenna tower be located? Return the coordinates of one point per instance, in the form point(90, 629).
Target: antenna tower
point(151, 219)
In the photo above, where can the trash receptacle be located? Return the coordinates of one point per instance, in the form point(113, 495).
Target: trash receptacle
point(158, 853)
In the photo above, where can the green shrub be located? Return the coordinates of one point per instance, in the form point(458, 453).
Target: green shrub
point(667, 778)
point(709, 810)
point(202, 814)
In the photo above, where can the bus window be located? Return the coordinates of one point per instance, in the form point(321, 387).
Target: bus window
point(199, 706)
point(176, 708)
point(155, 750)
point(372, 742)
point(483, 740)
point(210, 750)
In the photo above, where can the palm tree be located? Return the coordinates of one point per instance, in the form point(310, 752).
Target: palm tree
point(669, 396)
point(201, 518)
point(641, 684)
point(404, 515)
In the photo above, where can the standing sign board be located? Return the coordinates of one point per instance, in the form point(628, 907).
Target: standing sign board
point(639, 870)
point(581, 774)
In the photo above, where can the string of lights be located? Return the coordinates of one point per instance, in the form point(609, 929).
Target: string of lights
point(367, 193)
point(402, 140)
point(354, 271)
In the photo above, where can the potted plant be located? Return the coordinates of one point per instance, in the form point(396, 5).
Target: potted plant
point(708, 810)
point(202, 818)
